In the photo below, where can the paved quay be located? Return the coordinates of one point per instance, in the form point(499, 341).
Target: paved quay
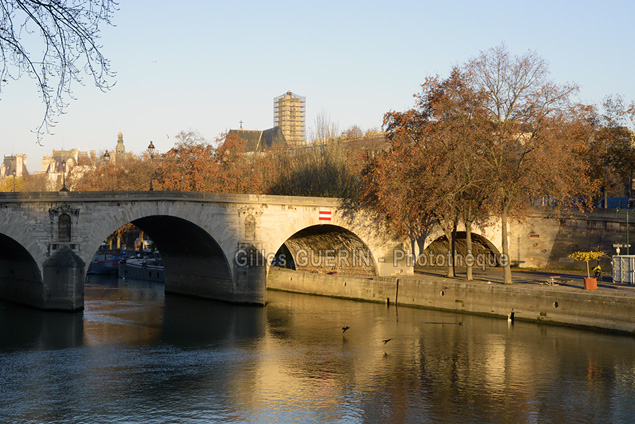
point(565, 279)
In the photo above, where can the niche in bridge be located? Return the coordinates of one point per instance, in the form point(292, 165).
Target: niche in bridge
point(326, 249)
point(484, 252)
point(19, 273)
point(190, 255)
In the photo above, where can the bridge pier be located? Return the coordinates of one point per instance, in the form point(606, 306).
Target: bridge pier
point(250, 275)
point(63, 281)
point(209, 277)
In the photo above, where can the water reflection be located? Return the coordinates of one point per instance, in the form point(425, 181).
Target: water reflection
point(137, 356)
point(23, 328)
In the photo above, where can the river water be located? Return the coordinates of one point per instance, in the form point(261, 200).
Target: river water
point(136, 356)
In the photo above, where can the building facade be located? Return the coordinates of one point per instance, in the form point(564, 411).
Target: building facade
point(13, 163)
point(289, 113)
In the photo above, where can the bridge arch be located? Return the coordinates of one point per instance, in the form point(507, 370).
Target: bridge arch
point(20, 275)
point(195, 263)
point(187, 250)
point(485, 253)
point(326, 248)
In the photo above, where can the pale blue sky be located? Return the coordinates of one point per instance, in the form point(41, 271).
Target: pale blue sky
point(203, 65)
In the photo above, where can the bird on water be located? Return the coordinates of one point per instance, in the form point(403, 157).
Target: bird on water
point(345, 328)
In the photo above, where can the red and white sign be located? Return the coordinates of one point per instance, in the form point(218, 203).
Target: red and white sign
point(325, 215)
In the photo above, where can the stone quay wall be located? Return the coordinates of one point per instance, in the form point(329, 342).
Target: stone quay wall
point(570, 306)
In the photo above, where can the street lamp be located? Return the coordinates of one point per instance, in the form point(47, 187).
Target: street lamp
point(13, 173)
point(628, 244)
point(151, 152)
point(64, 176)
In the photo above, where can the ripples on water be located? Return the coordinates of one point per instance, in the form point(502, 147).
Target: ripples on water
point(135, 356)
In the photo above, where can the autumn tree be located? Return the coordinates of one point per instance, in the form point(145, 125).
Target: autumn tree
point(493, 137)
point(430, 175)
point(240, 171)
point(35, 182)
point(611, 154)
point(531, 150)
point(54, 42)
point(189, 166)
point(194, 164)
point(324, 130)
point(457, 130)
point(323, 170)
point(10, 183)
point(133, 174)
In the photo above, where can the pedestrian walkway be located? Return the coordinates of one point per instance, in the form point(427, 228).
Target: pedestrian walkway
point(565, 278)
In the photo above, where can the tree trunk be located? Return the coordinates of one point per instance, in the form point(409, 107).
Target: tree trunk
point(504, 259)
point(450, 236)
point(453, 250)
point(469, 259)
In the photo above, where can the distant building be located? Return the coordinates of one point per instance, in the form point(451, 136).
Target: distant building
point(70, 158)
point(76, 162)
point(259, 140)
point(66, 161)
point(289, 113)
point(12, 163)
point(120, 149)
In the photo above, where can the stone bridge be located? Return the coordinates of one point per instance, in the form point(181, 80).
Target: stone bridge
point(220, 246)
point(217, 246)
point(541, 240)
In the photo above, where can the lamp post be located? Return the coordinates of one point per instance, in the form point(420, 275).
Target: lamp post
point(64, 177)
point(628, 242)
point(151, 152)
point(13, 173)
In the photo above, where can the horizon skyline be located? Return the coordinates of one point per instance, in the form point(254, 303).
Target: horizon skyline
point(206, 67)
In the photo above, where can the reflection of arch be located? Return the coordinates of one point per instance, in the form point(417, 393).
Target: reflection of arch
point(326, 248)
point(489, 254)
point(64, 227)
point(186, 248)
point(19, 272)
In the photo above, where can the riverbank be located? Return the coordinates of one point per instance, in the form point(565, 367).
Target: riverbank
point(537, 297)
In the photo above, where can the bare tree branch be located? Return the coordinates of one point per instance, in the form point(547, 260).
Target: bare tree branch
point(46, 40)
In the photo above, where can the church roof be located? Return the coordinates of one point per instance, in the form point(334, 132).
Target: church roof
point(258, 140)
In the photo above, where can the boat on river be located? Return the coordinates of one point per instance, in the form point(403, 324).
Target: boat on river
point(148, 269)
point(105, 260)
